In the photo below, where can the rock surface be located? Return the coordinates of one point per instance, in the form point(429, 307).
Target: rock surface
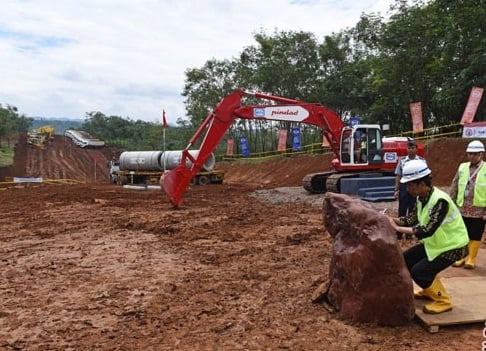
point(368, 278)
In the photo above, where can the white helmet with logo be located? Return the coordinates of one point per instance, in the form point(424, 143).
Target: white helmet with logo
point(475, 146)
point(413, 170)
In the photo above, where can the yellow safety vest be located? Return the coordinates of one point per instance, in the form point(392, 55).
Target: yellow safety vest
point(451, 234)
point(479, 199)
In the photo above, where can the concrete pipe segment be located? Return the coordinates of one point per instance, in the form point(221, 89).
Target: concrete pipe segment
point(173, 159)
point(159, 160)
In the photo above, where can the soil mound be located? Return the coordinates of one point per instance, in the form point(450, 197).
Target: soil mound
point(61, 159)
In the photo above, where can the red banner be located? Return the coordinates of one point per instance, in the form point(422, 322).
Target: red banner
point(472, 105)
point(282, 140)
point(229, 146)
point(416, 112)
point(325, 143)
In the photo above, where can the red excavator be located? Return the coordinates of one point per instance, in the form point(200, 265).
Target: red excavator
point(359, 149)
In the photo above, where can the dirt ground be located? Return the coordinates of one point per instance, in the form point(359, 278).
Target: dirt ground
point(99, 267)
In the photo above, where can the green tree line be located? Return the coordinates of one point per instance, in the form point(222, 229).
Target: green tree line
point(431, 52)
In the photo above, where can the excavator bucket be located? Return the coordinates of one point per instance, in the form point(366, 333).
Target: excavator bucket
point(175, 183)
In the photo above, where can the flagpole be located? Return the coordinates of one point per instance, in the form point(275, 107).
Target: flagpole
point(164, 125)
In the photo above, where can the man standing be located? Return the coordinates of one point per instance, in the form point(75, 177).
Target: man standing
point(468, 190)
point(406, 202)
point(437, 223)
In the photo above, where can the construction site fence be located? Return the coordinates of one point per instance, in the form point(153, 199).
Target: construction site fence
point(436, 132)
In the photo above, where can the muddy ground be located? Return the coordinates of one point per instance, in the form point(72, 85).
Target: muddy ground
point(99, 267)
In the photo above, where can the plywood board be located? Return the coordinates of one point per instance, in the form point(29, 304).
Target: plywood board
point(468, 302)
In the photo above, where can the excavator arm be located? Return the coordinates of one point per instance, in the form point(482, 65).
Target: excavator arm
point(176, 181)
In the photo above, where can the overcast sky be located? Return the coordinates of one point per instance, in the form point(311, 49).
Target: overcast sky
point(64, 58)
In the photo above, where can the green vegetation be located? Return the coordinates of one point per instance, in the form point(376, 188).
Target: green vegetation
point(59, 125)
point(6, 156)
point(431, 52)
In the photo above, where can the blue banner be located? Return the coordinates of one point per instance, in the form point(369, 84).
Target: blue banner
point(354, 121)
point(296, 139)
point(245, 151)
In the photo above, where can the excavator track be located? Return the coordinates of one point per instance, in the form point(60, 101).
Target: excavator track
point(333, 181)
point(320, 183)
point(316, 182)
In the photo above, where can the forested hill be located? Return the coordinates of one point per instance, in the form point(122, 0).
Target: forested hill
point(60, 124)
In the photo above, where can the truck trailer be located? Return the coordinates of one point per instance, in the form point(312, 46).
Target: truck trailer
point(146, 167)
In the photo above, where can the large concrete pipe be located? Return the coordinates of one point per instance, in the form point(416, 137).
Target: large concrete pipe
point(141, 161)
point(158, 160)
point(172, 159)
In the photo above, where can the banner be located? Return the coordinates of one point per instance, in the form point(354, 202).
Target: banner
point(325, 143)
point(296, 139)
point(282, 140)
point(354, 121)
point(416, 112)
point(474, 130)
point(472, 105)
point(245, 151)
point(230, 143)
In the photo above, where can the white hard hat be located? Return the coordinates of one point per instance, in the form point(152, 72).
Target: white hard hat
point(413, 170)
point(475, 146)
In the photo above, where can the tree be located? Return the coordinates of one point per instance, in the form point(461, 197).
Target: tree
point(11, 123)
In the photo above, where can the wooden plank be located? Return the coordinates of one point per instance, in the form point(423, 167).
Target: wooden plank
point(468, 304)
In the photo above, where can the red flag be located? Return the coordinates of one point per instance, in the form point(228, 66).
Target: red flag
point(164, 121)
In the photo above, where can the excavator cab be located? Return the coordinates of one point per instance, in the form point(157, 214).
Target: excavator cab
point(361, 145)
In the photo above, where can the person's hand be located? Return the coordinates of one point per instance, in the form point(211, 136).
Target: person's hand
point(395, 194)
point(393, 223)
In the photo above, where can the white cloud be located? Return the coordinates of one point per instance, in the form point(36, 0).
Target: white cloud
point(128, 58)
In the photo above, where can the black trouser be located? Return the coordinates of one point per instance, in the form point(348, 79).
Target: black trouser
point(405, 201)
point(422, 270)
point(475, 228)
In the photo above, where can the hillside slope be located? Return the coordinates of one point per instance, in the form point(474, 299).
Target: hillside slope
point(61, 159)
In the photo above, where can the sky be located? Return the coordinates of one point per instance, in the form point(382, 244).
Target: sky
point(66, 58)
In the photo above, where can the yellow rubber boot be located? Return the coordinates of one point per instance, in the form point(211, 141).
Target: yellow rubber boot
point(421, 295)
point(459, 263)
point(473, 253)
point(462, 261)
point(442, 302)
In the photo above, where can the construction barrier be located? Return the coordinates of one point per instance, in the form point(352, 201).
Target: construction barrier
point(15, 181)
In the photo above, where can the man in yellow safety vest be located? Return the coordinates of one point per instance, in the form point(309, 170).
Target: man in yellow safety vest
point(468, 190)
point(437, 223)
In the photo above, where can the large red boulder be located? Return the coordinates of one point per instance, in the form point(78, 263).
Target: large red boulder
point(368, 278)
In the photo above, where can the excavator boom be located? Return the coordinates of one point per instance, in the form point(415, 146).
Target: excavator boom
point(176, 181)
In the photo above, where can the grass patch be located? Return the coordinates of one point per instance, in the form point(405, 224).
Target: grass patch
point(6, 156)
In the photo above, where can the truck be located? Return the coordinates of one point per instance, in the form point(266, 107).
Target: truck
point(359, 149)
point(147, 167)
